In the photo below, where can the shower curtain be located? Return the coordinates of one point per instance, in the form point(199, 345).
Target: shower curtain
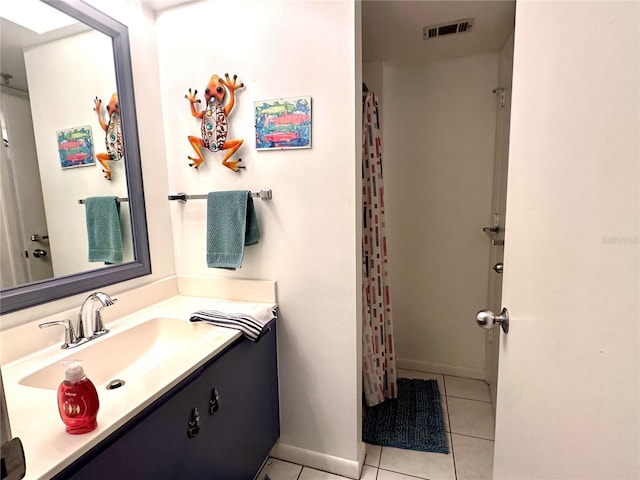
point(378, 350)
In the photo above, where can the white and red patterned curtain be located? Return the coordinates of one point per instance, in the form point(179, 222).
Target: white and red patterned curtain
point(378, 349)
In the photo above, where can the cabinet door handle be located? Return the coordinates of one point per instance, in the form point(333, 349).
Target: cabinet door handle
point(193, 426)
point(213, 402)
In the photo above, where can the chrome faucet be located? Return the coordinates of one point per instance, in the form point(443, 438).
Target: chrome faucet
point(76, 336)
point(97, 327)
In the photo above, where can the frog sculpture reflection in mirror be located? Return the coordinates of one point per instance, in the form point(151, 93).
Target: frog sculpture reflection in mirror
point(113, 131)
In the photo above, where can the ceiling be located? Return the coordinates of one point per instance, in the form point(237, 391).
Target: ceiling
point(159, 5)
point(392, 29)
point(15, 38)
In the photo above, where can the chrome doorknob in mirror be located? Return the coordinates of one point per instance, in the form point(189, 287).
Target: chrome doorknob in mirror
point(38, 252)
point(498, 267)
point(487, 319)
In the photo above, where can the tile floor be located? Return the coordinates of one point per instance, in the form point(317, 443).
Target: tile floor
point(469, 422)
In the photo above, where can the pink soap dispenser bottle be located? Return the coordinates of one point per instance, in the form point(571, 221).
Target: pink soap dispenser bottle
point(78, 402)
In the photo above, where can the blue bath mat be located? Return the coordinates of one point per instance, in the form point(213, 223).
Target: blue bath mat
point(412, 421)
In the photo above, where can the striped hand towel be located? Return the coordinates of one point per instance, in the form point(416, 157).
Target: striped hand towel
point(252, 319)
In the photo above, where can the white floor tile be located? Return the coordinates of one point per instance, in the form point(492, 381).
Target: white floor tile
point(368, 473)
point(467, 388)
point(312, 474)
point(387, 475)
point(473, 458)
point(373, 455)
point(279, 470)
point(434, 466)
point(470, 417)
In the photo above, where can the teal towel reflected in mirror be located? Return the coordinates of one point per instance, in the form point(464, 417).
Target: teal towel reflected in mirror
point(231, 225)
point(103, 229)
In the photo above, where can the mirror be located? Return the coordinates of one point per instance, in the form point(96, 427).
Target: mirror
point(61, 188)
point(51, 141)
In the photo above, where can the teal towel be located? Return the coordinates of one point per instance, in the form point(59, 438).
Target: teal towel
point(231, 225)
point(103, 229)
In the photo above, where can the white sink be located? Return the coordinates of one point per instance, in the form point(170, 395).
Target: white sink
point(127, 354)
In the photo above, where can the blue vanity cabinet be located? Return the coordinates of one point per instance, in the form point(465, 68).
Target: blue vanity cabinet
point(236, 396)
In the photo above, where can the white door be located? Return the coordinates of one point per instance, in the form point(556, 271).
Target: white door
point(22, 211)
point(569, 372)
point(498, 206)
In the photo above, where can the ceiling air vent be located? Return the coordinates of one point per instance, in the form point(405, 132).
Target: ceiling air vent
point(448, 28)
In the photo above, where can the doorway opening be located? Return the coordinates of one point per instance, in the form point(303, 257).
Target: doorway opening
point(445, 108)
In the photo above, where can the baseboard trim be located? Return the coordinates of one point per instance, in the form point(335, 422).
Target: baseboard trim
point(320, 461)
point(440, 368)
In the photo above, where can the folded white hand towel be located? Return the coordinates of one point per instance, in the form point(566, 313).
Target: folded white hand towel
point(252, 319)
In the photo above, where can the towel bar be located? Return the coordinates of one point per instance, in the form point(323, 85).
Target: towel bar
point(82, 201)
point(183, 197)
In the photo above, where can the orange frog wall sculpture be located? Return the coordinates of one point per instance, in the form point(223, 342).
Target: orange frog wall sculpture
point(214, 126)
point(113, 131)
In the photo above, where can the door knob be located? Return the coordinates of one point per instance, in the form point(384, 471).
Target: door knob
point(498, 267)
point(38, 252)
point(487, 319)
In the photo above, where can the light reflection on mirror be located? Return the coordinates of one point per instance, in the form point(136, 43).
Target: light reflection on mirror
point(49, 83)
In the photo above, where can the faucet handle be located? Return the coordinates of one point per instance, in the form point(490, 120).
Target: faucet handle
point(70, 339)
point(98, 325)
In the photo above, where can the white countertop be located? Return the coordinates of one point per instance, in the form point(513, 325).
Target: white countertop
point(33, 412)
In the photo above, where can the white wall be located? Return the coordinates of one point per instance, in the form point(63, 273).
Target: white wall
point(310, 239)
point(439, 131)
point(154, 168)
point(372, 76)
point(64, 77)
